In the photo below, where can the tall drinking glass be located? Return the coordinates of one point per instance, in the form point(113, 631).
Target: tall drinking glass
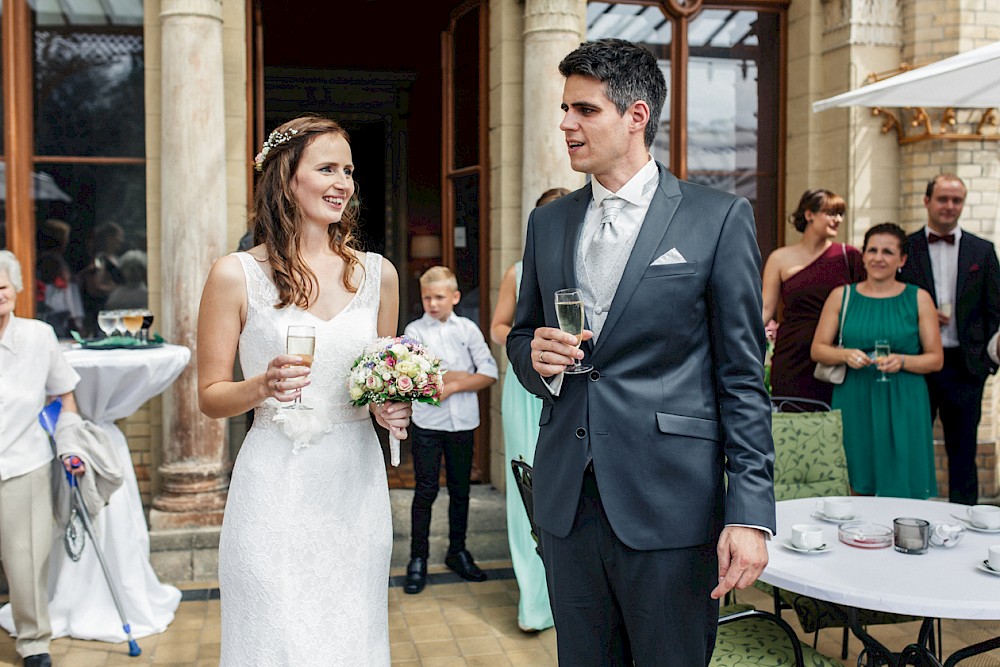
point(301, 341)
point(133, 321)
point(881, 352)
point(569, 312)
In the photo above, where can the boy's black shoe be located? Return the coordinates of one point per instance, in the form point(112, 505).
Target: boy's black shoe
point(416, 576)
point(38, 660)
point(462, 563)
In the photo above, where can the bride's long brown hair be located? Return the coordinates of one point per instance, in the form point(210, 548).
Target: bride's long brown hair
point(275, 215)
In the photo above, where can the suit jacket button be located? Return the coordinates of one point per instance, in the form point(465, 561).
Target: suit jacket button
point(581, 433)
point(595, 376)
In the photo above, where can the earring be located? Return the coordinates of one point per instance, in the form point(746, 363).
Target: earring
point(899, 270)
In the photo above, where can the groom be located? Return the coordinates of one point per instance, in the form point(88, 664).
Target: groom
point(640, 531)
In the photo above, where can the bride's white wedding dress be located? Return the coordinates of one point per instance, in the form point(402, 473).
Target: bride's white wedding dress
point(307, 535)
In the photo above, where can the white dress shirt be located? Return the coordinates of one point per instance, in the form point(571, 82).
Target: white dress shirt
point(944, 266)
point(32, 367)
point(461, 346)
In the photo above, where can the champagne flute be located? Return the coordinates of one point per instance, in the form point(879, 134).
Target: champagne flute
point(301, 341)
point(881, 352)
point(569, 312)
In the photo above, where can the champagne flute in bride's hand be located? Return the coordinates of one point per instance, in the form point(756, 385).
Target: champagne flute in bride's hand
point(301, 342)
point(569, 312)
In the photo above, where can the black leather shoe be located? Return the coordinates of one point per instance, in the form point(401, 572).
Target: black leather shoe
point(416, 576)
point(38, 660)
point(464, 566)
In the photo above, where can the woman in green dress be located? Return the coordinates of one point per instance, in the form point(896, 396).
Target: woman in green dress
point(887, 426)
point(521, 411)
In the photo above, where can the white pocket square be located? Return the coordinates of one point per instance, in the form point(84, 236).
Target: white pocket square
point(669, 257)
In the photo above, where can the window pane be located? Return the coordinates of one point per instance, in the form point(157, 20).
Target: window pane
point(3, 205)
point(467, 260)
point(88, 81)
point(645, 25)
point(732, 107)
point(87, 218)
point(466, 90)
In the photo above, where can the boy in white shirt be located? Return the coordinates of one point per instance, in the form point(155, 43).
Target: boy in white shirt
point(446, 430)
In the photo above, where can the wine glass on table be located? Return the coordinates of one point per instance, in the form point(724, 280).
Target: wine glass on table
point(881, 352)
point(301, 342)
point(147, 322)
point(132, 319)
point(106, 320)
point(569, 312)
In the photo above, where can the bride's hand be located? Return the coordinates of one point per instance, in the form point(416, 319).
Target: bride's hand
point(394, 417)
point(285, 377)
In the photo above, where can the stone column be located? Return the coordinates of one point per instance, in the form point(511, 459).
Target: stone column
point(194, 473)
point(552, 28)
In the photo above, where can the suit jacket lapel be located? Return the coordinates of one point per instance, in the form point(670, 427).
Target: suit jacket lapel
point(920, 253)
point(571, 240)
point(654, 227)
point(964, 264)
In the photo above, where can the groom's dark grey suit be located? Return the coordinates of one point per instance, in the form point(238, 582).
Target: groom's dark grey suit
point(677, 396)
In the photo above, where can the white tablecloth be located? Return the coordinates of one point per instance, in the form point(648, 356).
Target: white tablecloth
point(943, 583)
point(113, 385)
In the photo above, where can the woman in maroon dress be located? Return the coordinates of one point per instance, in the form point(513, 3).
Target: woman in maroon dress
point(803, 275)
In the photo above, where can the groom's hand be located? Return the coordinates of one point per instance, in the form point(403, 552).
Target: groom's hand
point(742, 557)
point(552, 350)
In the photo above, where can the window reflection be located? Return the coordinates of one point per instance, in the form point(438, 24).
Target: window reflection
point(91, 243)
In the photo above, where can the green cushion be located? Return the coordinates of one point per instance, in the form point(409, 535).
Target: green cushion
point(760, 641)
point(809, 456)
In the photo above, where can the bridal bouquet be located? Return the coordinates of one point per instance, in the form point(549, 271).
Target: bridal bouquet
point(398, 370)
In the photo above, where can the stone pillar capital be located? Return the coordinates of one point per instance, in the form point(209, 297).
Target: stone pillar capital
point(206, 9)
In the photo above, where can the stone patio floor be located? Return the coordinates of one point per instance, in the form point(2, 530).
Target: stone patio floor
point(451, 623)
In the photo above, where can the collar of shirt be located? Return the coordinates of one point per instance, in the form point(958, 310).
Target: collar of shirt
point(430, 320)
point(7, 340)
point(634, 192)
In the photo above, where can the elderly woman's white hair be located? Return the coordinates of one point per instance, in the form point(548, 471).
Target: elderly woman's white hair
point(12, 267)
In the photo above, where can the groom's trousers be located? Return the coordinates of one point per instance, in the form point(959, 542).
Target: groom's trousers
point(614, 605)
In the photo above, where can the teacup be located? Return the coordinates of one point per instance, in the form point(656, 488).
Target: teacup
point(807, 536)
point(994, 559)
point(837, 508)
point(985, 516)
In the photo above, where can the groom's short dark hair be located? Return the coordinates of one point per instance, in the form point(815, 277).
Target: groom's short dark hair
point(629, 73)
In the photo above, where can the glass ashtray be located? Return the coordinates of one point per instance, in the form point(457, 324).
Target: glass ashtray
point(865, 535)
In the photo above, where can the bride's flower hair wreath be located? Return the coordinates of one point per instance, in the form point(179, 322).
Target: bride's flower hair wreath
point(274, 218)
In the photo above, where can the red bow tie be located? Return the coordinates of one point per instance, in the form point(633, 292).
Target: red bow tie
point(947, 238)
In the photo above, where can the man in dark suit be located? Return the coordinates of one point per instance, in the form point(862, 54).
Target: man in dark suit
point(961, 272)
point(653, 471)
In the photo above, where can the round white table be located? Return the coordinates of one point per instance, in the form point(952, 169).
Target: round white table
point(943, 583)
point(113, 385)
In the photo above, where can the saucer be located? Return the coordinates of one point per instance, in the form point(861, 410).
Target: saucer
point(971, 526)
point(787, 543)
point(822, 517)
point(985, 567)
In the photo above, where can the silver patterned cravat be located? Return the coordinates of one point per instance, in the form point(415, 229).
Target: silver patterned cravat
point(606, 248)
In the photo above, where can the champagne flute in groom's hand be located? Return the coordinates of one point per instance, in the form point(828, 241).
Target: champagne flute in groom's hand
point(569, 312)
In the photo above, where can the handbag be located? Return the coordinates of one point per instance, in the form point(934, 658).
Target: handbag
point(835, 374)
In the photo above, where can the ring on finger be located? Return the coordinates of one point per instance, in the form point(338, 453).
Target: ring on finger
point(540, 354)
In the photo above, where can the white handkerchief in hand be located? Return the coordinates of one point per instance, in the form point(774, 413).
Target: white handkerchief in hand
point(669, 257)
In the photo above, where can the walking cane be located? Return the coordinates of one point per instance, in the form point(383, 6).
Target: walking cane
point(48, 418)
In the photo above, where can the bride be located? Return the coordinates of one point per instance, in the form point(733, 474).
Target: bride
point(307, 534)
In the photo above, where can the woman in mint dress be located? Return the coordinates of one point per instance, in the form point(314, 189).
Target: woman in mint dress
point(521, 412)
point(887, 425)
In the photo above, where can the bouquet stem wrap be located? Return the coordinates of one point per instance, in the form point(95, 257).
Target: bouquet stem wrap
point(396, 370)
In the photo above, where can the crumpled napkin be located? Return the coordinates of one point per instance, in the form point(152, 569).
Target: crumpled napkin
point(303, 427)
point(946, 534)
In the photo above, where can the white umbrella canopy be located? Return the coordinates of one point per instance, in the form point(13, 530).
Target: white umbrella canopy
point(970, 80)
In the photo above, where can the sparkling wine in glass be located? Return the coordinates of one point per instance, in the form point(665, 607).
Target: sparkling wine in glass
point(569, 312)
point(301, 341)
point(106, 321)
point(881, 352)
